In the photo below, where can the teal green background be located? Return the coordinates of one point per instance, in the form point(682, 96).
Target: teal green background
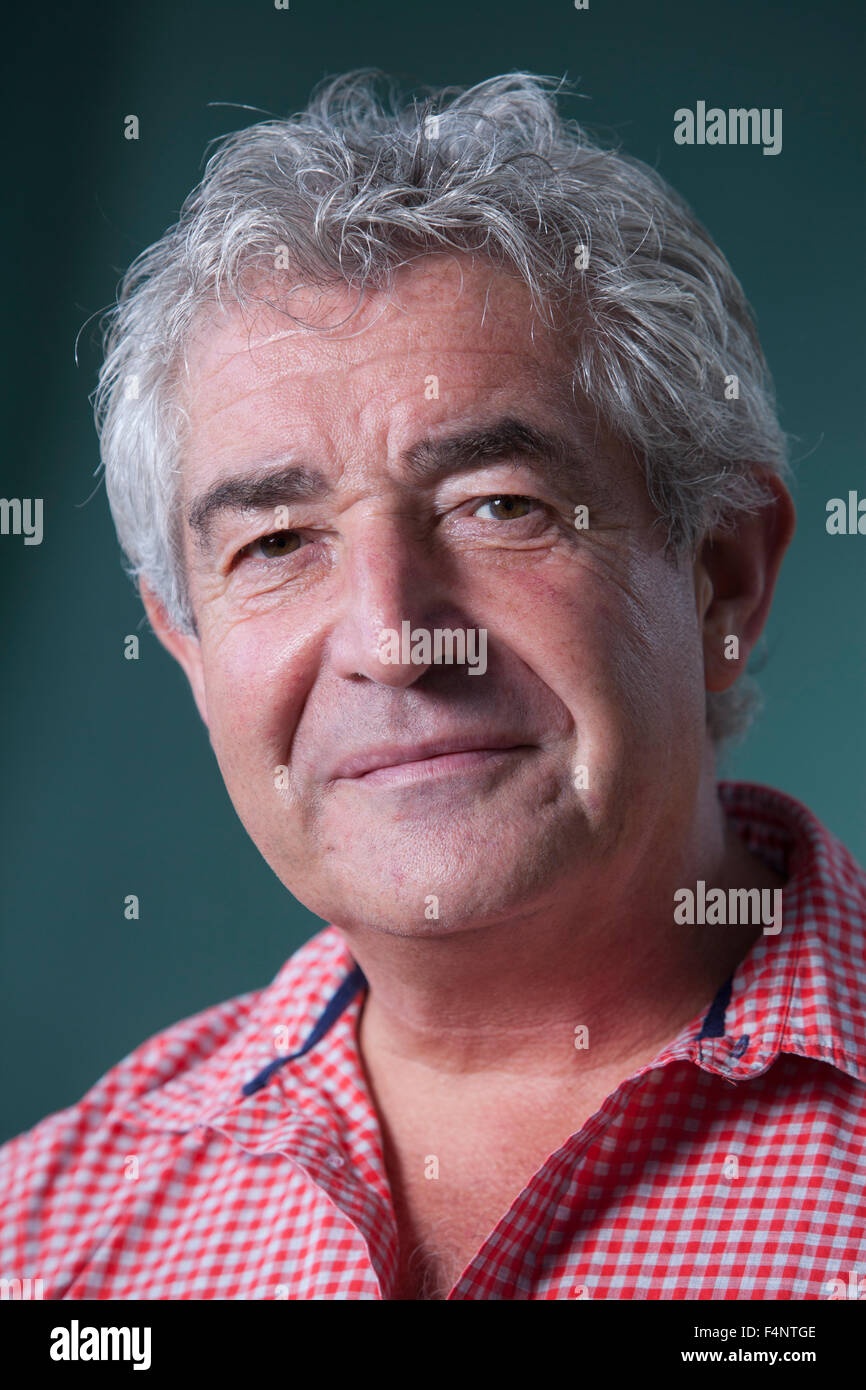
point(109, 784)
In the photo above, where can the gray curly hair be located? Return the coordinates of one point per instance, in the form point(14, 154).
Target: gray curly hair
point(358, 185)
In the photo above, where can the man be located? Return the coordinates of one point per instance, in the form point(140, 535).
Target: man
point(452, 479)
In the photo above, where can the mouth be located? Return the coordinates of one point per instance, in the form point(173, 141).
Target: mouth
point(421, 764)
point(441, 765)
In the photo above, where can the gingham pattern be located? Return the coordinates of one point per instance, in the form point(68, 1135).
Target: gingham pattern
point(730, 1167)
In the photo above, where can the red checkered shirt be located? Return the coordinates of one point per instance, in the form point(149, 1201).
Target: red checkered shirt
point(237, 1155)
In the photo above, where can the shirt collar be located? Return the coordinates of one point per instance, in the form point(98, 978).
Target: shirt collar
point(797, 992)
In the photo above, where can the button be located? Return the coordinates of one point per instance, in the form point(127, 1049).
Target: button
point(740, 1046)
point(335, 1159)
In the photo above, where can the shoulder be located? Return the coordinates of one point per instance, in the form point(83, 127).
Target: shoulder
point(63, 1176)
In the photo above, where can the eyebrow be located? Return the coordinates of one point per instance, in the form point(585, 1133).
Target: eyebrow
point(257, 492)
point(561, 458)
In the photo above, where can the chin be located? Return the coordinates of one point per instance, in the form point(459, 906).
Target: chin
point(436, 897)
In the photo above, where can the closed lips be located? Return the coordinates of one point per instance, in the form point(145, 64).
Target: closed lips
point(392, 755)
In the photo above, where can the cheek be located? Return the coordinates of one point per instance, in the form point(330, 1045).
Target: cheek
point(619, 649)
point(256, 680)
point(654, 656)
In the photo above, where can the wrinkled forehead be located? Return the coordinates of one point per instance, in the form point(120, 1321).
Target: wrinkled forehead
point(440, 308)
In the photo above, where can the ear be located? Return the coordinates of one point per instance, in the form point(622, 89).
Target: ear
point(183, 647)
point(735, 576)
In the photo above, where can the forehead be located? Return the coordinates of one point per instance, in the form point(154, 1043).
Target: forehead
point(464, 324)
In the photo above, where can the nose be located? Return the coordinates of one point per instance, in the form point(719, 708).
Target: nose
point(393, 585)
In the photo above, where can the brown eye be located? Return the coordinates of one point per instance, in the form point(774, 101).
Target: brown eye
point(280, 543)
point(507, 507)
